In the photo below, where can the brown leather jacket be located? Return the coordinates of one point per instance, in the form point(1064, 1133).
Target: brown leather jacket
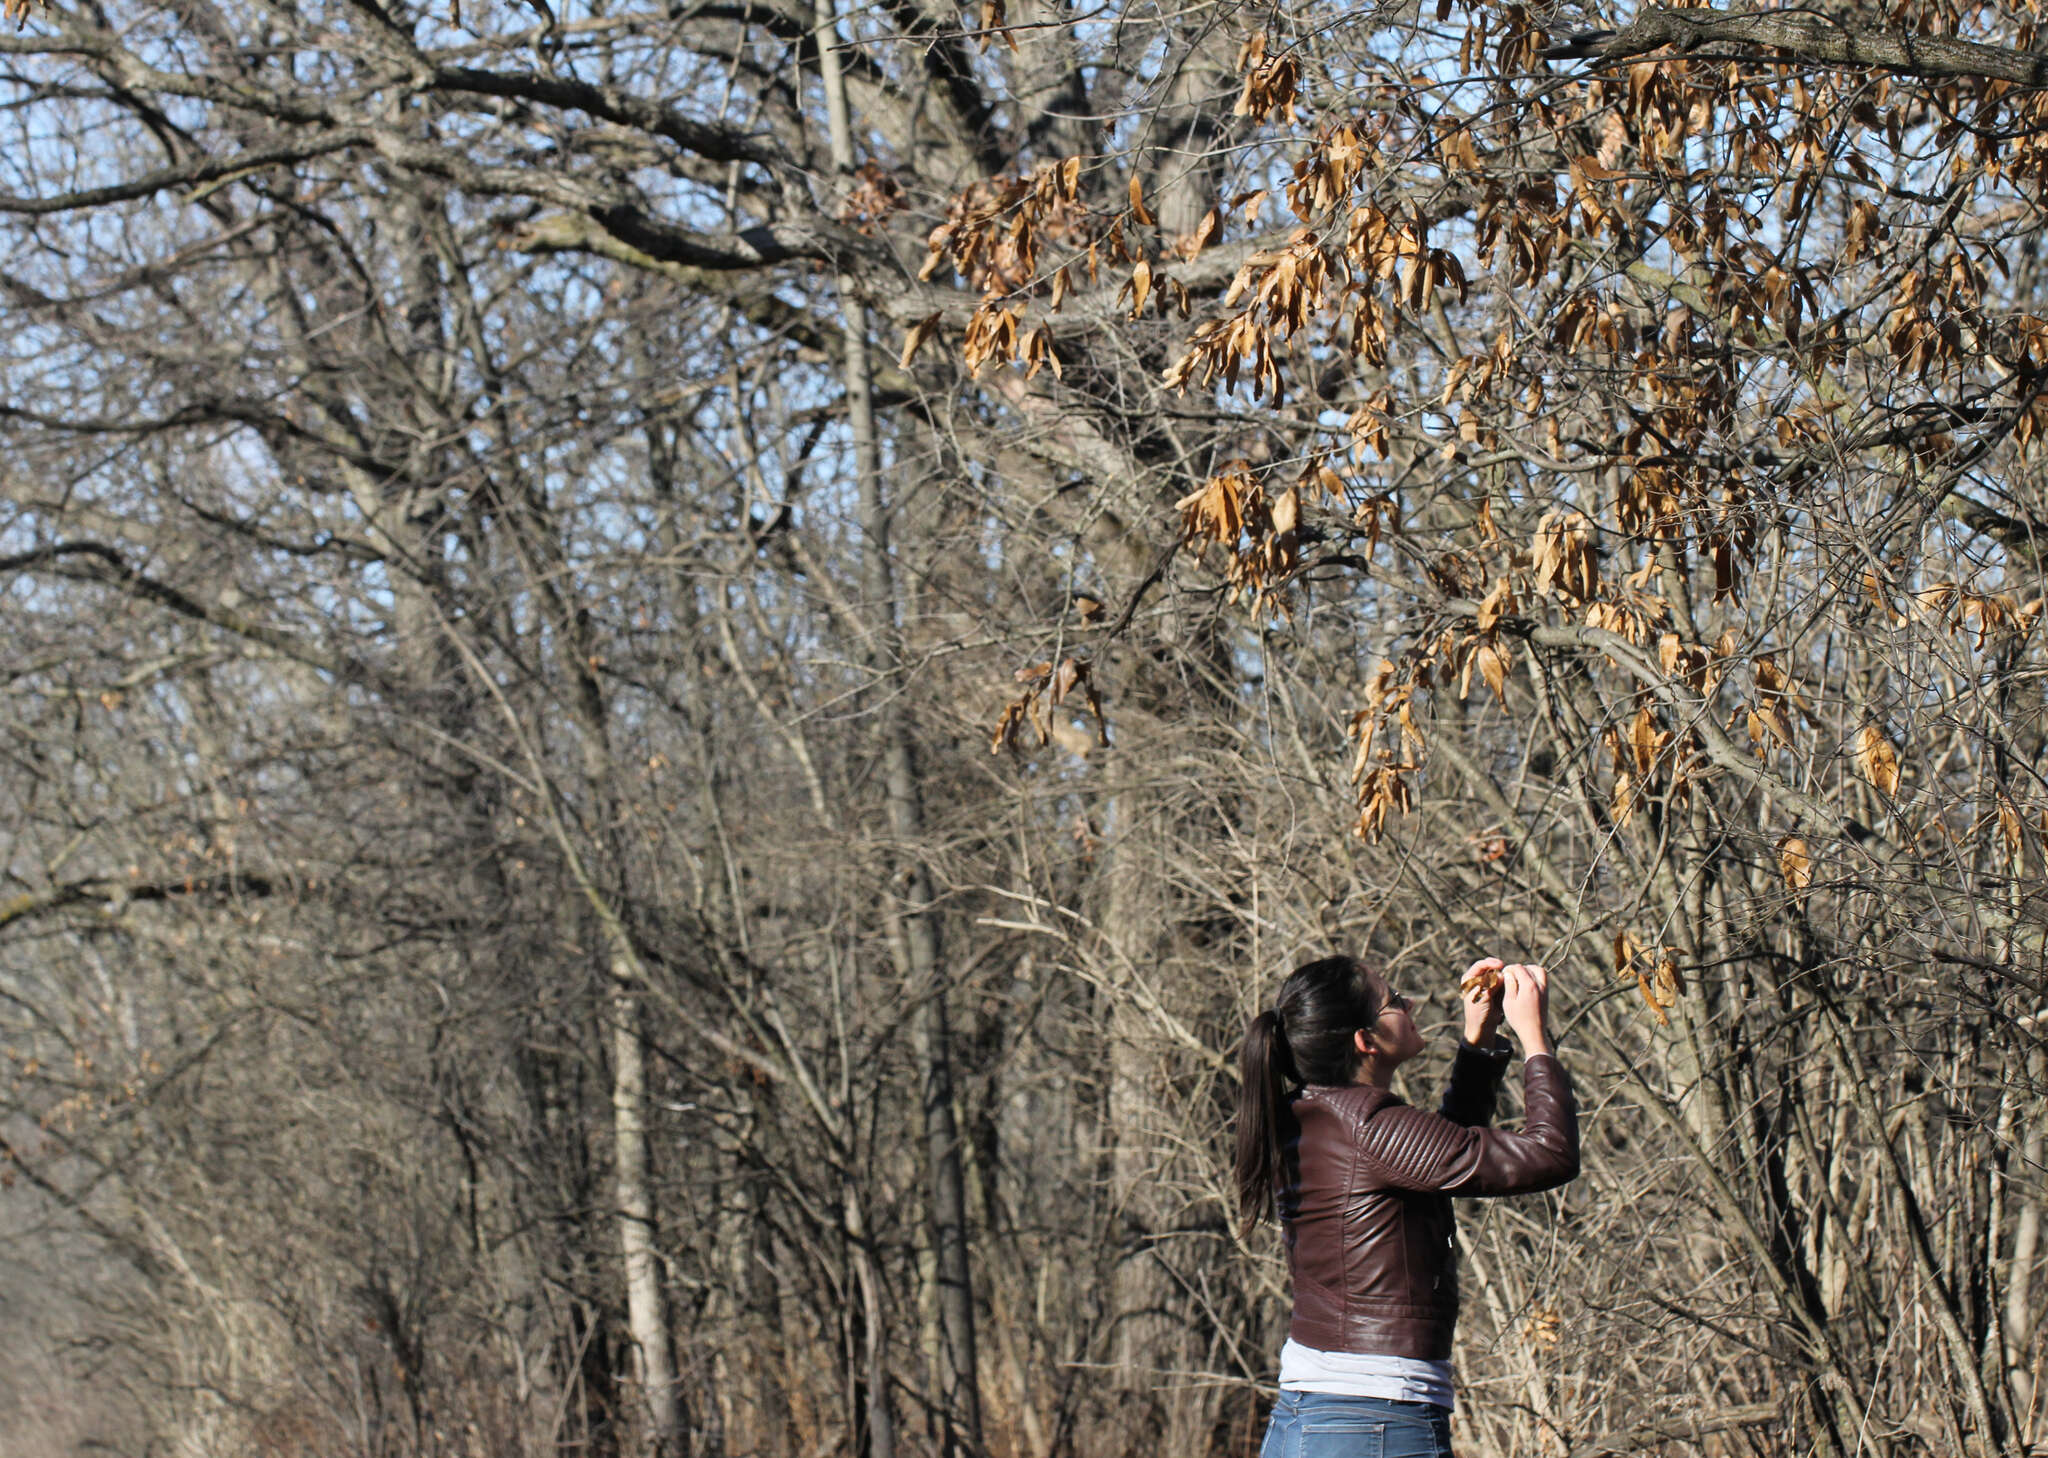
point(1366, 1208)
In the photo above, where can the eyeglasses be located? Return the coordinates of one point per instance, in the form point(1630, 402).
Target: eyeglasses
point(1398, 1003)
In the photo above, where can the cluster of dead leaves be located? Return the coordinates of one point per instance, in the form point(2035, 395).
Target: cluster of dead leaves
point(1935, 319)
point(875, 197)
point(1369, 425)
point(1271, 83)
point(1768, 716)
point(996, 236)
point(1655, 971)
point(1330, 168)
point(1260, 533)
point(1639, 134)
point(1563, 560)
point(1277, 291)
point(1383, 790)
point(996, 334)
point(1380, 776)
point(1993, 616)
point(1651, 759)
point(2020, 154)
point(995, 230)
point(1216, 512)
point(1543, 1328)
point(1521, 224)
point(1045, 688)
point(1286, 286)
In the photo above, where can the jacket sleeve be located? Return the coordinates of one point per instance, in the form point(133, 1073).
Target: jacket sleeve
point(1405, 1148)
point(1475, 1083)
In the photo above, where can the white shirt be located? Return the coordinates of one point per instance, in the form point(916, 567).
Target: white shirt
point(1355, 1374)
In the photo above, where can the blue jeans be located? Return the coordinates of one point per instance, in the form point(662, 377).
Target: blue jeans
point(1324, 1425)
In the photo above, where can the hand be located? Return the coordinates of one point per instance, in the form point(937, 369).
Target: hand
point(1480, 990)
point(1525, 1005)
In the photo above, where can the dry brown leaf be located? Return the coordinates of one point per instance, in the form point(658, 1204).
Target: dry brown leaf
point(915, 339)
point(1016, 714)
point(1769, 718)
point(1253, 51)
point(1482, 518)
point(1877, 759)
point(992, 17)
point(1138, 202)
point(1038, 353)
point(1493, 667)
point(1287, 511)
point(1480, 979)
point(1642, 737)
point(1624, 804)
point(1071, 672)
point(1727, 572)
point(1795, 862)
point(1216, 512)
point(1670, 984)
point(1205, 232)
point(1499, 601)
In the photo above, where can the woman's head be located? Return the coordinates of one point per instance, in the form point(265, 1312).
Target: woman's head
point(1334, 1020)
point(1331, 1013)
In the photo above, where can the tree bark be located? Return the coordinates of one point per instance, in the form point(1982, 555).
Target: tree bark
point(646, 1310)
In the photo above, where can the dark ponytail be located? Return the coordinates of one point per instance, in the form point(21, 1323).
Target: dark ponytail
point(1266, 1070)
point(1305, 1038)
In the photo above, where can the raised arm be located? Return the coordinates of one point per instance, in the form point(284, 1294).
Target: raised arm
point(1474, 1088)
point(1412, 1149)
point(1409, 1149)
point(1482, 1056)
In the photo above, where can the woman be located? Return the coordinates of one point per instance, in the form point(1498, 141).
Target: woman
point(1362, 1184)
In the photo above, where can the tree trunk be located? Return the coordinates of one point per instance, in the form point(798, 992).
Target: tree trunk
point(646, 1310)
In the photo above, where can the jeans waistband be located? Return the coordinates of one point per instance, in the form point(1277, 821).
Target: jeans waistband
point(1291, 1403)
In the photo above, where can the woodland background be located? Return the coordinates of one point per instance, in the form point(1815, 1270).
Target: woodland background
point(674, 669)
